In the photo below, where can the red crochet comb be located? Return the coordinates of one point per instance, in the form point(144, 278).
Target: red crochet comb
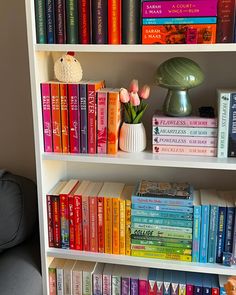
point(71, 53)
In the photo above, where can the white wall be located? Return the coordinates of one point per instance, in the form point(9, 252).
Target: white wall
point(16, 126)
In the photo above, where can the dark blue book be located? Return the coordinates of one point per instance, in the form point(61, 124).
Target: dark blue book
point(232, 126)
point(198, 279)
point(174, 283)
point(167, 282)
point(50, 21)
point(83, 118)
point(206, 285)
point(221, 230)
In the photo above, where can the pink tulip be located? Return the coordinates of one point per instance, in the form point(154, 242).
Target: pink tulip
point(134, 99)
point(144, 92)
point(124, 95)
point(133, 87)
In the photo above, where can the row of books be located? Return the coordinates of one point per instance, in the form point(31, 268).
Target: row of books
point(120, 21)
point(192, 135)
point(80, 118)
point(227, 123)
point(90, 216)
point(81, 277)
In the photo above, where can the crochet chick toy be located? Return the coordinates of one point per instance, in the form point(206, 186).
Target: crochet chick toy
point(68, 69)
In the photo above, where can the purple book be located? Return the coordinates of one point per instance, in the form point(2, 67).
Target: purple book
point(47, 117)
point(125, 286)
point(186, 8)
point(60, 23)
point(83, 118)
point(134, 286)
point(99, 25)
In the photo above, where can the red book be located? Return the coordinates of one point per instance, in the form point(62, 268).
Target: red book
point(74, 118)
point(64, 118)
point(47, 117)
point(56, 221)
point(114, 21)
point(92, 87)
point(50, 222)
point(78, 215)
point(101, 238)
point(152, 287)
point(71, 222)
point(84, 21)
point(56, 118)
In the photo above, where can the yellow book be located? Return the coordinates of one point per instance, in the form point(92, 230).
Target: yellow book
point(150, 254)
point(114, 120)
point(126, 195)
point(116, 226)
point(122, 227)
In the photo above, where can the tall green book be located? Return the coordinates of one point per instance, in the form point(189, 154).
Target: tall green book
point(72, 22)
point(40, 21)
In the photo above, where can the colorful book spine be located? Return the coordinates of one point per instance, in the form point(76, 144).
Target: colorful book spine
point(149, 254)
point(185, 131)
point(160, 221)
point(114, 119)
point(125, 286)
point(74, 118)
point(177, 243)
point(72, 22)
point(184, 141)
point(47, 117)
point(50, 21)
point(115, 225)
point(176, 209)
point(71, 222)
point(183, 150)
point(101, 226)
point(232, 127)
point(64, 118)
point(166, 282)
point(226, 21)
point(161, 227)
point(107, 284)
point(143, 287)
point(56, 118)
point(84, 120)
point(78, 222)
point(114, 21)
point(108, 224)
point(77, 282)
point(161, 201)
point(52, 281)
point(93, 226)
point(60, 21)
point(40, 21)
point(223, 100)
point(179, 20)
point(190, 8)
point(131, 22)
point(221, 234)
point(86, 283)
point(134, 286)
point(122, 227)
point(99, 19)
point(152, 284)
point(84, 21)
point(204, 233)
point(229, 229)
point(102, 122)
point(159, 233)
point(234, 239)
point(56, 221)
point(128, 227)
point(213, 225)
point(160, 249)
point(161, 214)
point(50, 222)
point(64, 221)
point(85, 218)
point(163, 34)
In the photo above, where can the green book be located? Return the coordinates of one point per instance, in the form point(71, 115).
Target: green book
point(72, 22)
point(165, 242)
point(40, 21)
point(161, 249)
point(160, 233)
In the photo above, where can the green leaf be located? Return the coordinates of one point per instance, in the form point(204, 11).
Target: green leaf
point(127, 114)
point(133, 113)
point(140, 115)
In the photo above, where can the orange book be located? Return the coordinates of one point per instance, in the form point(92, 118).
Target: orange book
point(114, 119)
point(114, 21)
point(64, 118)
point(116, 225)
point(56, 118)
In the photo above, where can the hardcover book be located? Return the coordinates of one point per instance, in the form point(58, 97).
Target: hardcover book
point(50, 21)
point(102, 99)
point(107, 283)
point(114, 21)
point(179, 20)
point(83, 99)
point(196, 226)
point(84, 21)
point(60, 21)
point(56, 118)
point(99, 21)
point(64, 118)
point(40, 21)
point(72, 22)
point(232, 126)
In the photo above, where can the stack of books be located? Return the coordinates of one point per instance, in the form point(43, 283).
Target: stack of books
point(162, 220)
point(80, 118)
point(173, 22)
point(81, 277)
point(184, 135)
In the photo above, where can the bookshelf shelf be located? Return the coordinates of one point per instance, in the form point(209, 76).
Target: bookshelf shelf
point(137, 48)
point(147, 158)
point(142, 262)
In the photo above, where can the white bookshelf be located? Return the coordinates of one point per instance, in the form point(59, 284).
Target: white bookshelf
point(118, 64)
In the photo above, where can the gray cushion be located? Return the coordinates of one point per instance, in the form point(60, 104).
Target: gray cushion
point(18, 209)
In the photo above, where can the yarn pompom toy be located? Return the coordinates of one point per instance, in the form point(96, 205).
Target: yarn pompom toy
point(68, 69)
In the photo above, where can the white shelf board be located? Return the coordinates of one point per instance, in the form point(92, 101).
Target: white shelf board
point(147, 158)
point(142, 262)
point(220, 47)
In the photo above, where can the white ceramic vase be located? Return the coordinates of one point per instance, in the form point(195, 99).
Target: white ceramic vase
point(132, 138)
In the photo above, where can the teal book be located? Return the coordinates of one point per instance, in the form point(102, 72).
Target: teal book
point(40, 21)
point(196, 226)
point(72, 22)
point(162, 214)
point(162, 221)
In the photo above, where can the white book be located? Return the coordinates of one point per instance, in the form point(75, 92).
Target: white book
point(77, 279)
point(88, 269)
point(60, 276)
point(116, 279)
point(67, 276)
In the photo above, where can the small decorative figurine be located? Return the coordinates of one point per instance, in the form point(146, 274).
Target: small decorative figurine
point(68, 69)
point(178, 74)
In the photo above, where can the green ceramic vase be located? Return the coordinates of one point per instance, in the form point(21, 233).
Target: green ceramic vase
point(178, 75)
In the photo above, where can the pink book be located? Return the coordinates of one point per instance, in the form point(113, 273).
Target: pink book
point(85, 219)
point(102, 121)
point(159, 119)
point(189, 289)
point(184, 140)
point(47, 117)
point(185, 8)
point(101, 231)
point(93, 224)
point(74, 118)
point(143, 281)
point(71, 222)
point(184, 150)
point(78, 222)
